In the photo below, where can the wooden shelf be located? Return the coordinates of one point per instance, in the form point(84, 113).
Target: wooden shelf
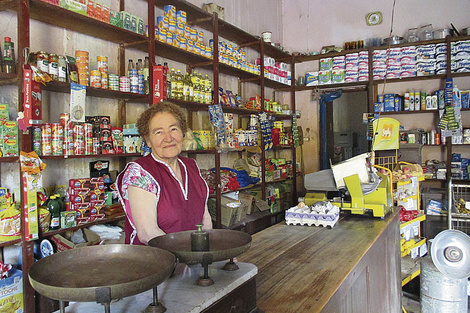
point(358, 85)
point(408, 112)
point(12, 159)
point(97, 92)
point(114, 155)
point(8, 79)
point(102, 221)
point(197, 17)
point(281, 147)
point(57, 16)
point(9, 243)
point(208, 151)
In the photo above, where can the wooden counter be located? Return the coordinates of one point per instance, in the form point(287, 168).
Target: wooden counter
point(354, 267)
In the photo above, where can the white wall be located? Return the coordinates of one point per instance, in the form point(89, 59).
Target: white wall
point(310, 25)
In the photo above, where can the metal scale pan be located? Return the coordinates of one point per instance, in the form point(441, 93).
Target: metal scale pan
point(101, 273)
point(223, 244)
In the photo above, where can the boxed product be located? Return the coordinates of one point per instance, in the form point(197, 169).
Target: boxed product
point(159, 88)
point(11, 292)
point(74, 6)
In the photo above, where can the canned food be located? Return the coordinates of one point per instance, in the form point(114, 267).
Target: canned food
point(53, 66)
point(87, 130)
point(102, 63)
point(37, 147)
point(67, 148)
point(162, 22)
point(37, 133)
point(56, 146)
point(57, 131)
point(96, 146)
point(104, 80)
point(95, 79)
point(200, 36)
point(42, 61)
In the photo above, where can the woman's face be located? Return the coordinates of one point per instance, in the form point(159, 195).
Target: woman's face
point(165, 136)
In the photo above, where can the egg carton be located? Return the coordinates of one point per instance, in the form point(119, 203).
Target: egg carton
point(312, 219)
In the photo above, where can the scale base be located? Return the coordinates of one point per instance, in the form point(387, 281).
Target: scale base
point(152, 308)
point(230, 266)
point(204, 281)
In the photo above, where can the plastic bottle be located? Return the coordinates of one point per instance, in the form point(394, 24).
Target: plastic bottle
point(130, 66)
point(207, 90)
point(456, 99)
point(8, 56)
point(146, 74)
point(54, 209)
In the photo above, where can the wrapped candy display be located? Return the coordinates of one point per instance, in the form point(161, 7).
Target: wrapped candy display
point(321, 213)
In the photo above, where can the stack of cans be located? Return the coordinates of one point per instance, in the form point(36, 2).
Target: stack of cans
point(134, 81)
point(124, 84)
point(81, 60)
point(88, 130)
point(67, 148)
point(78, 140)
point(46, 137)
point(102, 62)
point(57, 136)
point(37, 146)
point(113, 82)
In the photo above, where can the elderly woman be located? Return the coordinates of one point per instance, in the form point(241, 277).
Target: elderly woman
point(162, 192)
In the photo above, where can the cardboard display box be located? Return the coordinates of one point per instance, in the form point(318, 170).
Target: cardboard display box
point(63, 244)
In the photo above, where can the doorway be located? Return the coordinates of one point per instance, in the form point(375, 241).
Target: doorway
point(346, 134)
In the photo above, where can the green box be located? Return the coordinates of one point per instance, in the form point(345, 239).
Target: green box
point(115, 18)
point(74, 6)
point(140, 25)
point(133, 27)
point(68, 219)
point(4, 112)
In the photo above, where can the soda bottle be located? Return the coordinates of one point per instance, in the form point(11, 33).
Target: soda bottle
point(54, 209)
point(8, 56)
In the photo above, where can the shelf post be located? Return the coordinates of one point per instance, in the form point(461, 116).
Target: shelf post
point(215, 79)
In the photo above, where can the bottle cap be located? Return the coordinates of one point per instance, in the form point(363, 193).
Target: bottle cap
point(7, 39)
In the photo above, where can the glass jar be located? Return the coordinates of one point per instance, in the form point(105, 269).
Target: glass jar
point(412, 35)
point(425, 32)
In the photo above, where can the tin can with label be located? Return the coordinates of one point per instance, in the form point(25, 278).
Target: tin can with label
point(102, 64)
point(56, 146)
point(57, 131)
point(96, 146)
point(95, 79)
point(88, 145)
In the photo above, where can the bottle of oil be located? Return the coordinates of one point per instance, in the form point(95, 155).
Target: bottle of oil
point(146, 74)
point(186, 87)
point(196, 87)
point(179, 85)
point(209, 91)
point(190, 87)
point(173, 83)
point(201, 88)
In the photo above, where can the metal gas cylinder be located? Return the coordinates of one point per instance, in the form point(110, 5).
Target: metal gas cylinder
point(441, 293)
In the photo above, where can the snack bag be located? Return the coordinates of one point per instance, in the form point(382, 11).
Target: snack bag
point(10, 224)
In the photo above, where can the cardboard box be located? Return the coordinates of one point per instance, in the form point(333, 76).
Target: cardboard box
point(248, 203)
point(63, 244)
point(159, 84)
point(230, 210)
point(11, 292)
point(32, 102)
point(74, 6)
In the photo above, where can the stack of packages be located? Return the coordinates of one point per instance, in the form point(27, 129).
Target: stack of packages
point(86, 199)
point(460, 57)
